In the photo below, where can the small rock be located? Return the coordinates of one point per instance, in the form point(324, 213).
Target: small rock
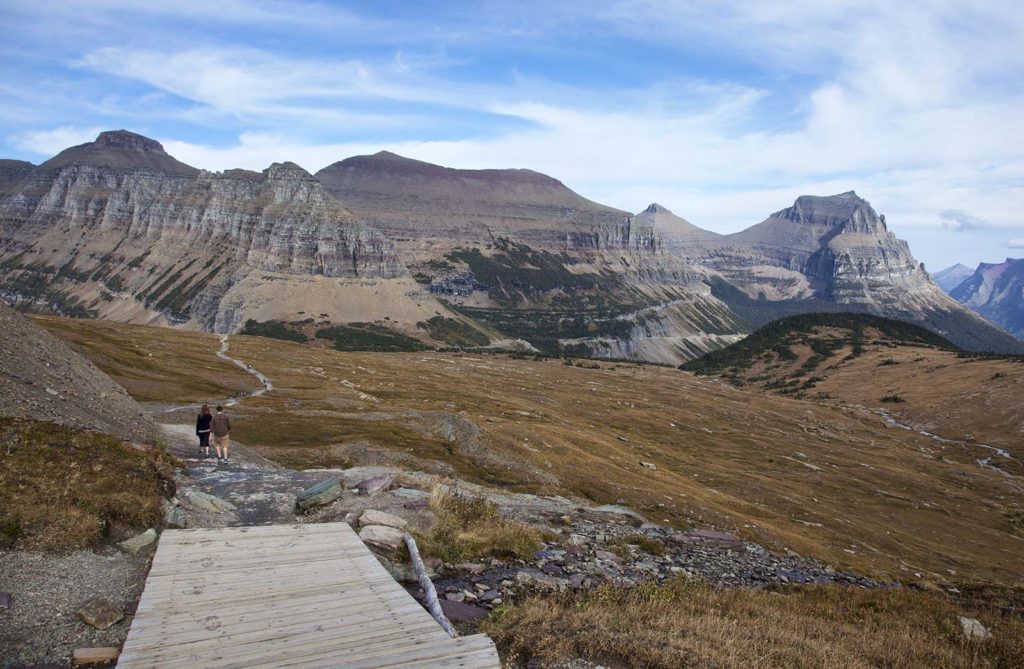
point(461, 612)
point(973, 629)
point(416, 505)
point(410, 493)
point(709, 538)
point(85, 656)
point(607, 556)
point(6, 600)
point(541, 581)
point(174, 516)
point(470, 567)
point(140, 544)
point(374, 517)
point(321, 494)
point(374, 485)
point(52, 392)
point(100, 613)
point(206, 502)
point(649, 465)
point(382, 536)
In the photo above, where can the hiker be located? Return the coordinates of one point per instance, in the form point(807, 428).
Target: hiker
point(203, 430)
point(221, 426)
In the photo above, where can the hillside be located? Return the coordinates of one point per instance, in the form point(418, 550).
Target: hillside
point(829, 482)
point(42, 379)
point(907, 372)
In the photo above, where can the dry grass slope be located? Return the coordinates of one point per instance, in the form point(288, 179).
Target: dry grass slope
point(470, 528)
point(827, 481)
point(688, 624)
point(63, 489)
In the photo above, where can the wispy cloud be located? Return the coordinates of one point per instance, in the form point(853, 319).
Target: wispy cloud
point(51, 142)
point(1016, 243)
point(958, 220)
point(721, 111)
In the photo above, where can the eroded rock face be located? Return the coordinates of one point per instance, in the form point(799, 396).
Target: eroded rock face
point(837, 253)
point(124, 230)
point(996, 291)
point(119, 229)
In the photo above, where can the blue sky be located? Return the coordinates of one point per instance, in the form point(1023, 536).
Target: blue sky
point(721, 111)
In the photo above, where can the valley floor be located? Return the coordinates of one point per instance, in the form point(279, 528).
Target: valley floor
point(737, 488)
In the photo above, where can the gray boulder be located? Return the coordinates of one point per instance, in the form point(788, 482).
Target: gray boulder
point(375, 517)
point(388, 539)
point(321, 494)
point(206, 502)
point(374, 485)
point(973, 629)
point(140, 544)
point(174, 516)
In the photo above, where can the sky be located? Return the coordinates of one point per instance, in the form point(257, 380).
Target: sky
point(721, 111)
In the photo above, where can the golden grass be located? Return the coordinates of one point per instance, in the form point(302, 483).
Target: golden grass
point(973, 399)
point(827, 481)
point(139, 359)
point(468, 527)
point(63, 489)
point(685, 623)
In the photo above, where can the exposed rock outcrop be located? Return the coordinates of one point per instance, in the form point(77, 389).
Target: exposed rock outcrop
point(118, 228)
point(996, 291)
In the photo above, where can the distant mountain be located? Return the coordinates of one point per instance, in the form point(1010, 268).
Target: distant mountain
point(119, 229)
point(836, 253)
point(996, 291)
point(952, 276)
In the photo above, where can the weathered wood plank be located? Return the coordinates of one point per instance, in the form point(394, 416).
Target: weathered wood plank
point(284, 596)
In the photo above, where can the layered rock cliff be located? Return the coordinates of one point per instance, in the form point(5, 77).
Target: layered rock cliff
point(996, 291)
point(832, 253)
point(120, 229)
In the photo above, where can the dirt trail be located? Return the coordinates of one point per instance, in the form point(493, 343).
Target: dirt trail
point(232, 401)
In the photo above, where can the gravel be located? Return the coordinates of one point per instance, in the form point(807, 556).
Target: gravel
point(41, 626)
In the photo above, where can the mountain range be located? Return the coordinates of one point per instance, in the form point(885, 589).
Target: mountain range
point(994, 290)
point(119, 229)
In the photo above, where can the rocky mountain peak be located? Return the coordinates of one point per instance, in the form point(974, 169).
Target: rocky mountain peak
point(121, 151)
point(655, 208)
point(287, 171)
point(123, 139)
point(847, 209)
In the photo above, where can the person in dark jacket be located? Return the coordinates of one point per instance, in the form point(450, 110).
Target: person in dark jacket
point(203, 430)
point(221, 426)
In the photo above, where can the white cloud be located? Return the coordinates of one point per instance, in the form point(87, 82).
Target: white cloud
point(50, 142)
point(958, 220)
point(1016, 243)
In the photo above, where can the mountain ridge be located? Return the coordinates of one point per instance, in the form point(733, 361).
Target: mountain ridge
point(120, 229)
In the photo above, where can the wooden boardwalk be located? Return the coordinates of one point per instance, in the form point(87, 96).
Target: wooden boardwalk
point(284, 596)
